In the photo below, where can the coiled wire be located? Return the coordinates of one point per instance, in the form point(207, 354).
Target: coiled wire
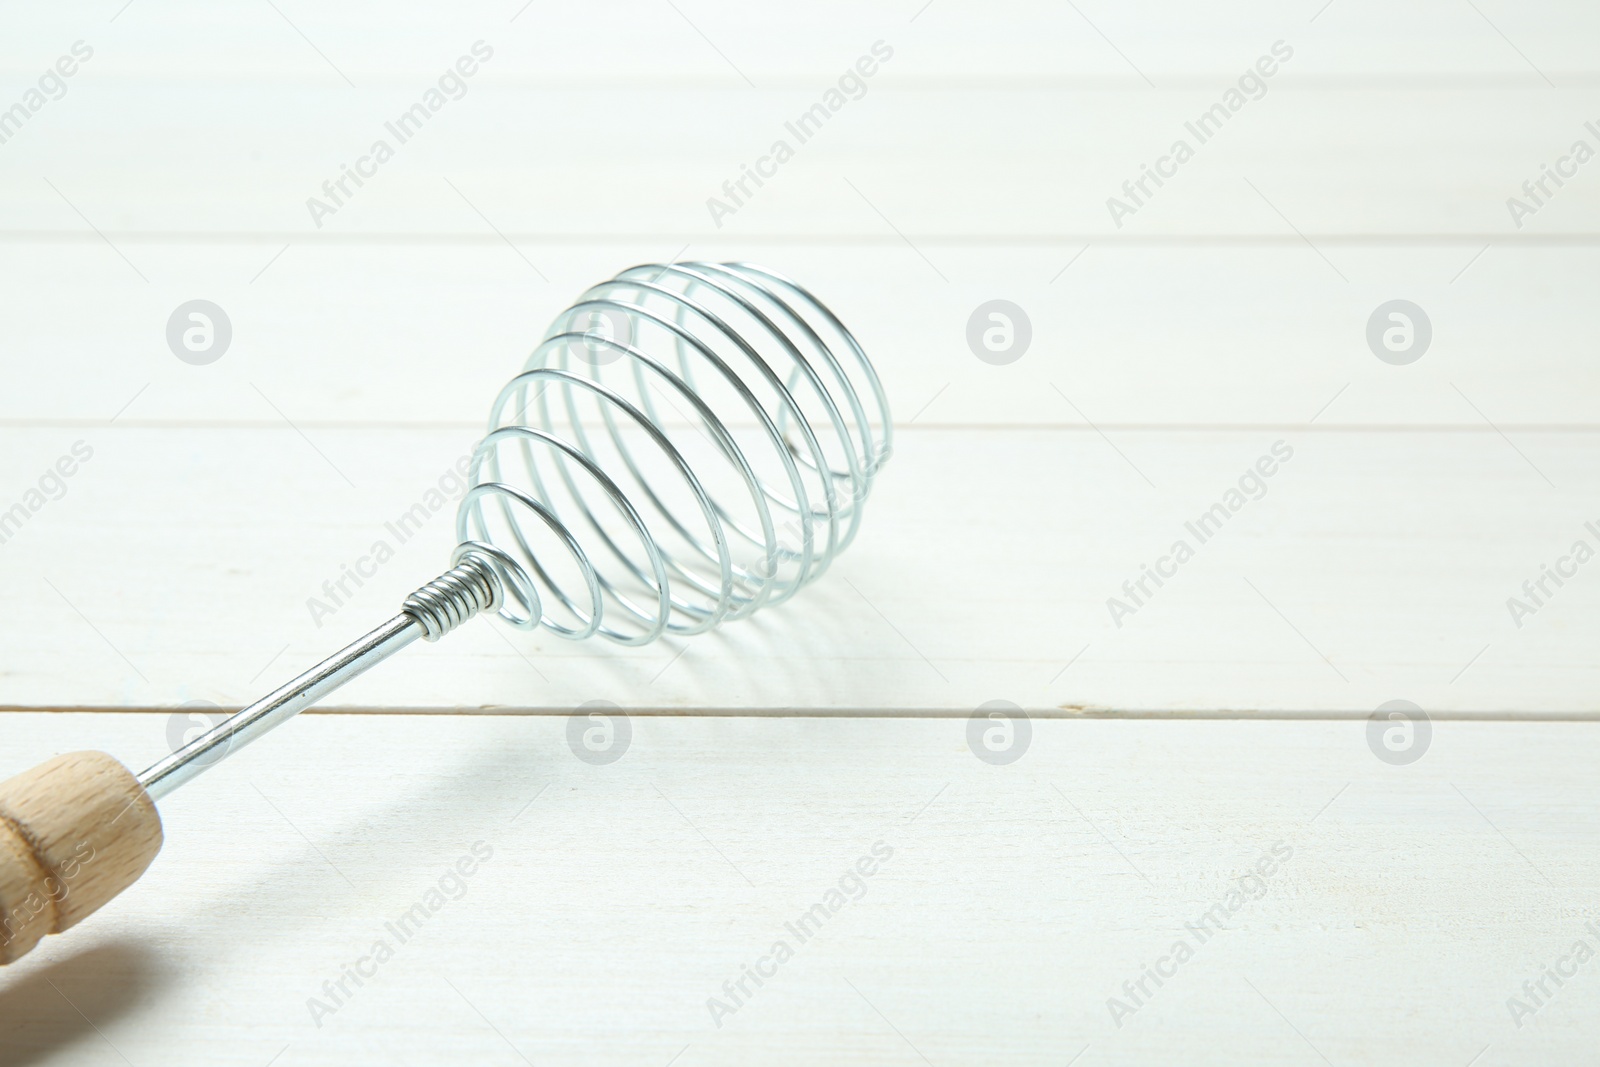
point(688, 443)
point(472, 585)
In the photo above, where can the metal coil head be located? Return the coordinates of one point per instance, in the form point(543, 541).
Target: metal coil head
point(471, 585)
point(689, 443)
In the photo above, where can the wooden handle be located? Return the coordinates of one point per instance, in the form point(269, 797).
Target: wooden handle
point(74, 832)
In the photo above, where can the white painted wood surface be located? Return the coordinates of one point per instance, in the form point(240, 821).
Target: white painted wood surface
point(1006, 120)
point(1169, 335)
point(1017, 901)
point(182, 562)
point(1167, 355)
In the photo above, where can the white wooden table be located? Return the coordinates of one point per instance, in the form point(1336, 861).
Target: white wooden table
point(1013, 909)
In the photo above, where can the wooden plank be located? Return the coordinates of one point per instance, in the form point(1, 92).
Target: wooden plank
point(1013, 121)
point(1007, 163)
point(1376, 566)
point(1016, 903)
point(635, 41)
point(1145, 336)
point(960, 132)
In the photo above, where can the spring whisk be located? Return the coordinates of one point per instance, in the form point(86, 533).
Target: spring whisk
point(688, 443)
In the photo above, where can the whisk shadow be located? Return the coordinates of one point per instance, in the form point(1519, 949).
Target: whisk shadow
point(47, 1008)
point(800, 650)
point(452, 803)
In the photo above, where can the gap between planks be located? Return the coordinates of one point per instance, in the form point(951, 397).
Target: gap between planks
point(1578, 239)
point(1063, 713)
point(477, 426)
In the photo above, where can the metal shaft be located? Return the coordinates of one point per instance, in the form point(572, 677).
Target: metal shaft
point(280, 705)
point(471, 586)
